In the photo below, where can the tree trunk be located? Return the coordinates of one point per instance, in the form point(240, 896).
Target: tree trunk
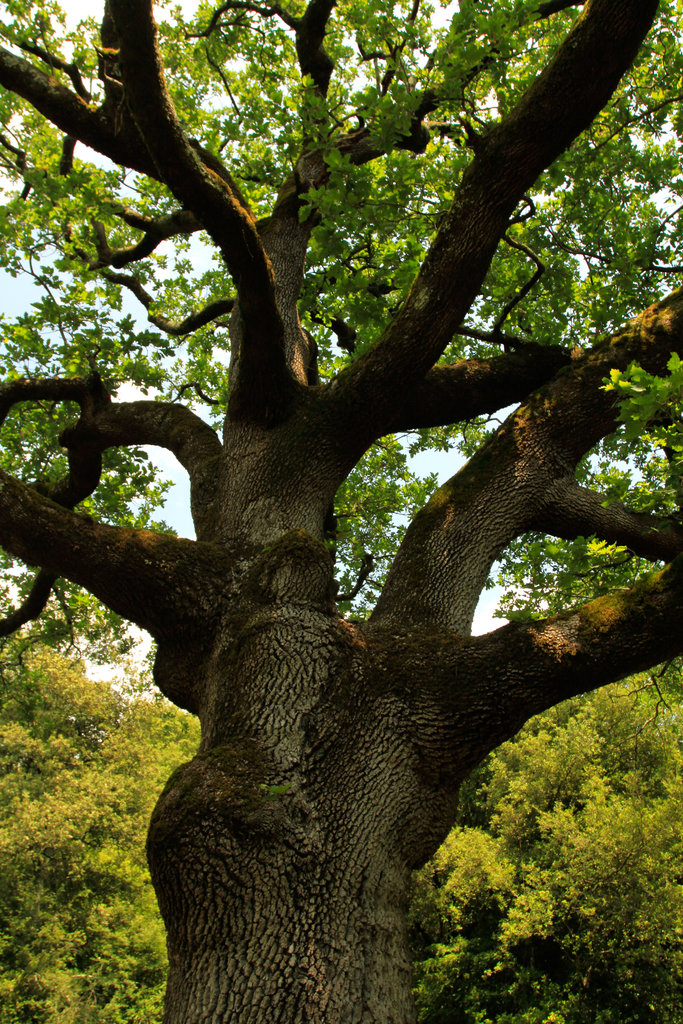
point(281, 853)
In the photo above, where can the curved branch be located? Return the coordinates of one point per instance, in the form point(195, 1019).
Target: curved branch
point(265, 10)
point(160, 582)
point(526, 287)
point(55, 389)
point(174, 427)
point(105, 424)
point(72, 69)
point(449, 547)
point(33, 605)
point(265, 386)
point(560, 104)
point(212, 311)
point(156, 231)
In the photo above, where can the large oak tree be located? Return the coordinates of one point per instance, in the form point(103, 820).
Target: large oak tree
point(416, 221)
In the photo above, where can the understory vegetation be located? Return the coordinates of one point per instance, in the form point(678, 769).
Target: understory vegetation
point(556, 899)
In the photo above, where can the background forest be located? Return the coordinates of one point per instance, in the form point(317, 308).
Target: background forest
point(560, 886)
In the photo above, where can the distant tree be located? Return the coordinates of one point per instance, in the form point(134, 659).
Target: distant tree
point(81, 940)
point(559, 897)
point(344, 224)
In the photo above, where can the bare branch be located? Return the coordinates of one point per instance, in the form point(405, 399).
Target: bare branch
point(265, 10)
point(211, 312)
point(475, 387)
point(156, 231)
point(33, 605)
point(53, 62)
point(525, 289)
point(365, 570)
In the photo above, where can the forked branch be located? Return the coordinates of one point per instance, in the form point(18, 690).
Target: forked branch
point(449, 547)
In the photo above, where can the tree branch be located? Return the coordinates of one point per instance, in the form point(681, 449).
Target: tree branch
point(33, 605)
point(603, 641)
point(119, 141)
point(264, 384)
point(71, 69)
point(561, 103)
point(449, 547)
point(519, 670)
point(191, 323)
point(475, 387)
point(105, 424)
point(174, 427)
point(573, 511)
point(310, 33)
point(156, 231)
point(160, 582)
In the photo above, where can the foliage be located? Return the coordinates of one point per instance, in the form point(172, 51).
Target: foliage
point(81, 764)
point(558, 896)
point(604, 252)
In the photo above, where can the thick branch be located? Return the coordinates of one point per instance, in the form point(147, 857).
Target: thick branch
point(265, 386)
point(472, 693)
point(449, 547)
point(104, 424)
point(171, 426)
point(475, 387)
point(542, 663)
point(155, 580)
point(560, 104)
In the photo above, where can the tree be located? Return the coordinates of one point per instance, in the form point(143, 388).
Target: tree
point(80, 937)
point(558, 893)
point(377, 176)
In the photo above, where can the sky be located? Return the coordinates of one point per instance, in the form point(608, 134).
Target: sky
point(17, 294)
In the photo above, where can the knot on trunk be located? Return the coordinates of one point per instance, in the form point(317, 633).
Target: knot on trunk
point(295, 569)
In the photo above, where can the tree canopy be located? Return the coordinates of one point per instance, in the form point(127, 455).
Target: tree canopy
point(389, 106)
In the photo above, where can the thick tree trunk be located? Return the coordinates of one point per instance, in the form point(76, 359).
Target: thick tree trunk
point(281, 853)
point(264, 924)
